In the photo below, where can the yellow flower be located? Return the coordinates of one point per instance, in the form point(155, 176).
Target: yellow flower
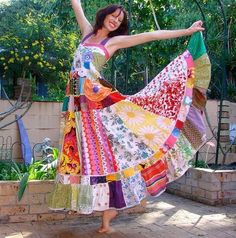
point(11, 60)
point(26, 57)
point(36, 56)
point(12, 52)
point(26, 47)
point(40, 64)
point(35, 43)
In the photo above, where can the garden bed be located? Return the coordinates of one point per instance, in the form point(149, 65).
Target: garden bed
point(212, 187)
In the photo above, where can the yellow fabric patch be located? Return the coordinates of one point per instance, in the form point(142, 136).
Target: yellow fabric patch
point(113, 177)
point(128, 172)
point(74, 197)
point(203, 71)
point(151, 128)
point(190, 82)
point(158, 155)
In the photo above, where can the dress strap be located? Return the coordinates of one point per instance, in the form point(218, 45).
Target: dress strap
point(103, 42)
point(86, 37)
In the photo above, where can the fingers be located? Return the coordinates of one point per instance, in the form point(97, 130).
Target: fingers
point(198, 23)
point(197, 26)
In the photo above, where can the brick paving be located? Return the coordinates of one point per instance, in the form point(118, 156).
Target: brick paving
point(167, 216)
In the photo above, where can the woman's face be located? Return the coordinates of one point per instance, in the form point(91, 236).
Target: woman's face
point(113, 21)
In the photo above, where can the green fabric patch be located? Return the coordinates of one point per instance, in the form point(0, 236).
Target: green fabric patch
point(85, 198)
point(65, 104)
point(60, 197)
point(196, 45)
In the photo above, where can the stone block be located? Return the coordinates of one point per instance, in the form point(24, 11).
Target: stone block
point(191, 182)
point(197, 174)
point(211, 195)
point(198, 192)
point(23, 218)
point(224, 126)
point(174, 185)
point(36, 199)
point(38, 209)
point(225, 114)
point(229, 194)
point(208, 201)
point(7, 200)
point(224, 138)
point(51, 216)
point(211, 176)
point(225, 120)
point(226, 176)
point(14, 210)
point(40, 187)
point(188, 173)
point(225, 103)
point(228, 186)
point(8, 188)
point(233, 176)
point(226, 201)
point(24, 200)
point(213, 187)
point(4, 219)
point(186, 188)
point(224, 133)
point(181, 180)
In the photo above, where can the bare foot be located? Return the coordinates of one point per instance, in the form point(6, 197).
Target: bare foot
point(108, 215)
point(105, 230)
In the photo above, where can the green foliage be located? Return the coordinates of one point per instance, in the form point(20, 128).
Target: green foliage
point(22, 186)
point(34, 45)
point(10, 170)
point(199, 164)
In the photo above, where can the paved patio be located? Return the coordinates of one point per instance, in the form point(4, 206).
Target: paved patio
point(167, 216)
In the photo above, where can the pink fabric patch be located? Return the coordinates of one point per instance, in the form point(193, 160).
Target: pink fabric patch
point(189, 92)
point(71, 107)
point(74, 179)
point(171, 141)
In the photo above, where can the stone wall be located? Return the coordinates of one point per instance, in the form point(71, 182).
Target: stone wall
point(33, 206)
point(208, 186)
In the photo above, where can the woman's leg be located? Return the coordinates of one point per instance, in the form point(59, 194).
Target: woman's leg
point(107, 216)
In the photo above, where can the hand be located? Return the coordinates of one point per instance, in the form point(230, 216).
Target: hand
point(196, 26)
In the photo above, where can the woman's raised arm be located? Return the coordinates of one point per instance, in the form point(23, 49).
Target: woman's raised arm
point(83, 22)
point(119, 42)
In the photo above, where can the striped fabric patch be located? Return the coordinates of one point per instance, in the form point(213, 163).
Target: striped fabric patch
point(155, 178)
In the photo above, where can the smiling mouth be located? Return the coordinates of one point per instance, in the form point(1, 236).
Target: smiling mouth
point(112, 24)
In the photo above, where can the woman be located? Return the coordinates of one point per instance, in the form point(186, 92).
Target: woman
point(106, 157)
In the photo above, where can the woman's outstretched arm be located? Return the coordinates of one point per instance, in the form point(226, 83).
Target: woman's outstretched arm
point(83, 22)
point(119, 42)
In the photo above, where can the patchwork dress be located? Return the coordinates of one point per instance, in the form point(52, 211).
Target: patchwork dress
point(117, 149)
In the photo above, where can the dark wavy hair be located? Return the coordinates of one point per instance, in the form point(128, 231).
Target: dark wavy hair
point(101, 15)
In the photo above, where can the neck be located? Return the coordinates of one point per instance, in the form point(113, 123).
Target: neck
point(102, 33)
